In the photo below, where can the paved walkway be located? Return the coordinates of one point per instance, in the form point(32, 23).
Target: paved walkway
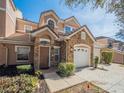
point(110, 78)
point(56, 83)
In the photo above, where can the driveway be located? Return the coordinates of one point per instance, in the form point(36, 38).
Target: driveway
point(110, 78)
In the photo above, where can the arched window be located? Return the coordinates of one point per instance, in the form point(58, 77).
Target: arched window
point(51, 24)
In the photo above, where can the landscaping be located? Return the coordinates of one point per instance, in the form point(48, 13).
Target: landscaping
point(66, 69)
point(21, 79)
point(85, 87)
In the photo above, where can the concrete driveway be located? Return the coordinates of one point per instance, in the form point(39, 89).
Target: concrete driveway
point(110, 78)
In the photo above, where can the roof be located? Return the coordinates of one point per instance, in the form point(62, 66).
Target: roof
point(101, 37)
point(27, 21)
point(17, 38)
point(43, 27)
point(48, 11)
point(72, 17)
point(79, 29)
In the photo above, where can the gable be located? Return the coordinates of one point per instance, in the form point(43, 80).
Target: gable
point(44, 30)
point(72, 21)
point(84, 29)
point(50, 14)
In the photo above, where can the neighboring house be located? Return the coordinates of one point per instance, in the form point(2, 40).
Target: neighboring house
point(44, 44)
point(106, 42)
point(116, 46)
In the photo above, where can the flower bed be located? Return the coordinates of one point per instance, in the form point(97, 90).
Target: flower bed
point(85, 87)
point(18, 84)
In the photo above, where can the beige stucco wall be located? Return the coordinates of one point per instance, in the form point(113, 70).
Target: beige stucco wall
point(2, 23)
point(10, 26)
point(2, 55)
point(20, 23)
point(11, 60)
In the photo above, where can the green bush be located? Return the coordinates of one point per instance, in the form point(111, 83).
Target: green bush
point(70, 68)
point(38, 73)
point(107, 57)
point(18, 84)
point(23, 68)
point(66, 69)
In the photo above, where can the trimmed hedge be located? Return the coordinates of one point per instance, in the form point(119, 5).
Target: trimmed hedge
point(66, 69)
point(18, 84)
point(107, 57)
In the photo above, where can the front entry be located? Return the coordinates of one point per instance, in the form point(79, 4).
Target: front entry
point(44, 57)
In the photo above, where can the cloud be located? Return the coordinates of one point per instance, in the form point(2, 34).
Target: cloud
point(98, 21)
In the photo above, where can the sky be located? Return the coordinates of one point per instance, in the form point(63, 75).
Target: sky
point(98, 21)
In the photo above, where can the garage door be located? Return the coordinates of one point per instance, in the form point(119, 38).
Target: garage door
point(81, 56)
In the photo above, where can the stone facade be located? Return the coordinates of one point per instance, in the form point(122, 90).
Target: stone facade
point(76, 39)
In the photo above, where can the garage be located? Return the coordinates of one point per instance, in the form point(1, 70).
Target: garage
point(81, 56)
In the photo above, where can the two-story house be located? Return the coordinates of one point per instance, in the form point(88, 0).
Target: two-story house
point(44, 44)
point(106, 42)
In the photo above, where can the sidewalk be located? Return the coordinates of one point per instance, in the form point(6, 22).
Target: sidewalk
point(56, 83)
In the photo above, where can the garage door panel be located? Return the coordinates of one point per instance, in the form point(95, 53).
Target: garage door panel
point(81, 57)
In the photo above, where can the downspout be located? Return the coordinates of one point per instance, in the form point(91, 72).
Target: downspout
point(6, 56)
point(66, 51)
point(6, 49)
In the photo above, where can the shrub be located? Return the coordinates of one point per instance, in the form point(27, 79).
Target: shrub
point(107, 57)
point(19, 84)
point(38, 73)
point(96, 60)
point(70, 68)
point(24, 68)
point(66, 69)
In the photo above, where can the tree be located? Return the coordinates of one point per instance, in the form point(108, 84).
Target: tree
point(116, 6)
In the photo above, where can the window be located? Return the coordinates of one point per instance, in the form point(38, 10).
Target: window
point(27, 28)
point(51, 24)
point(22, 53)
point(44, 41)
point(57, 54)
point(83, 35)
point(68, 29)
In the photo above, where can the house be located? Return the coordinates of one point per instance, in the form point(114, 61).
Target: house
point(115, 46)
point(44, 44)
point(107, 42)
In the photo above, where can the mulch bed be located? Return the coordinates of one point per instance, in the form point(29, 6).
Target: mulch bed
point(83, 88)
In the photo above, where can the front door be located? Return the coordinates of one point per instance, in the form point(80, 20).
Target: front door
point(44, 57)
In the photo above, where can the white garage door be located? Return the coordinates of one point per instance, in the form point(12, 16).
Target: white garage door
point(81, 56)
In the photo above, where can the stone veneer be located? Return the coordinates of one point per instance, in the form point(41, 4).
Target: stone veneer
point(76, 39)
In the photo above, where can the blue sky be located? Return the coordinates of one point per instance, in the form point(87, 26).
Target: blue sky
point(98, 21)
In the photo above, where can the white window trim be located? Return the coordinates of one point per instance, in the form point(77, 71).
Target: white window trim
point(55, 24)
point(25, 27)
point(43, 39)
point(68, 26)
point(21, 61)
point(58, 47)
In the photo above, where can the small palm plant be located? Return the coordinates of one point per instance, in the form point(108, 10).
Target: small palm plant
point(96, 61)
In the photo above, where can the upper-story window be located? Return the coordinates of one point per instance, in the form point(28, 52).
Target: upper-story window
point(27, 28)
point(51, 23)
point(68, 29)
